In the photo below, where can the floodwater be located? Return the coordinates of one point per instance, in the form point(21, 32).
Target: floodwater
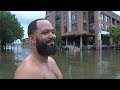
point(85, 64)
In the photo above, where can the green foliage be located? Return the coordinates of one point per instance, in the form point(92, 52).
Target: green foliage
point(10, 28)
point(59, 40)
point(115, 34)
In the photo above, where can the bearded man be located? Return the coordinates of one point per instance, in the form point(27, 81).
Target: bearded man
point(39, 64)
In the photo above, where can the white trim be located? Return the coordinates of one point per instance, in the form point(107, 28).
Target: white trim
point(105, 32)
point(69, 20)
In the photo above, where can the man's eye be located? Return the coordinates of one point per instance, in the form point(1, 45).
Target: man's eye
point(45, 33)
point(53, 32)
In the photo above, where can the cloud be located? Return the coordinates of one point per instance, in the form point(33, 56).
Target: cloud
point(117, 12)
point(25, 17)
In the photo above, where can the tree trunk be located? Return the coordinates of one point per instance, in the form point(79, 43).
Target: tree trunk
point(2, 46)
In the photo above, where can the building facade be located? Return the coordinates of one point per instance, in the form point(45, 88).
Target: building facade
point(25, 43)
point(84, 28)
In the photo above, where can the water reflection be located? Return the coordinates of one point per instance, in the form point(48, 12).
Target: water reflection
point(86, 64)
point(7, 65)
point(10, 60)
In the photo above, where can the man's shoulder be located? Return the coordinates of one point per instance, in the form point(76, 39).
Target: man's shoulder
point(27, 64)
point(50, 59)
point(23, 69)
point(27, 70)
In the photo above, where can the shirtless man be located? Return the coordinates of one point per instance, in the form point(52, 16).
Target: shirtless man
point(39, 64)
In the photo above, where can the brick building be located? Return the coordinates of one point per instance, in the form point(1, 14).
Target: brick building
point(83, 28)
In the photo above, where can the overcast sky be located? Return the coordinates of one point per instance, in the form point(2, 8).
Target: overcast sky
point(25, 17)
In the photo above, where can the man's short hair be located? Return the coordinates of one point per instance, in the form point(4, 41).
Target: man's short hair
point(32, 27)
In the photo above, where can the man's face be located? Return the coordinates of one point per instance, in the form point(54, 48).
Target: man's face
point(45, 49)
point(45, 39)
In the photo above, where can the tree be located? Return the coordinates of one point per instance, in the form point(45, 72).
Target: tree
point(115, 34)
point(59, 40)
point(10, 28)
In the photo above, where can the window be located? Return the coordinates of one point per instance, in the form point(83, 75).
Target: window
point(58, 13)
point(107, 28)
point(102, 27)
point(102, 17)
point(118, 22)
point(74, 27)
point(113, 21)
point(74, 16)
point(91, 17)
point(84, 15)
point(92, 27)
point(84, 26)
point(65, 29)
point(65, 19)
point(108, 19)
point(58, 23)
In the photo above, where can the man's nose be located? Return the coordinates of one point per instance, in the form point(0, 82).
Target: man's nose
point(52, 35)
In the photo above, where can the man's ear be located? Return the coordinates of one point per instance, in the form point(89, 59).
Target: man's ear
point(32, 38)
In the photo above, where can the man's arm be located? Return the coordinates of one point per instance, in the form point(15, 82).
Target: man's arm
point(56, 70)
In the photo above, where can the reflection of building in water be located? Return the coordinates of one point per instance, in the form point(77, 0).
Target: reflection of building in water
point(25, 43)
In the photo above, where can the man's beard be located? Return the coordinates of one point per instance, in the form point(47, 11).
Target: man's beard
point(44, 49)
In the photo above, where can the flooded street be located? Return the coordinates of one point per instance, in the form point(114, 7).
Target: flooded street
point(89, 65)
point(10, 60)
point(86, 64)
